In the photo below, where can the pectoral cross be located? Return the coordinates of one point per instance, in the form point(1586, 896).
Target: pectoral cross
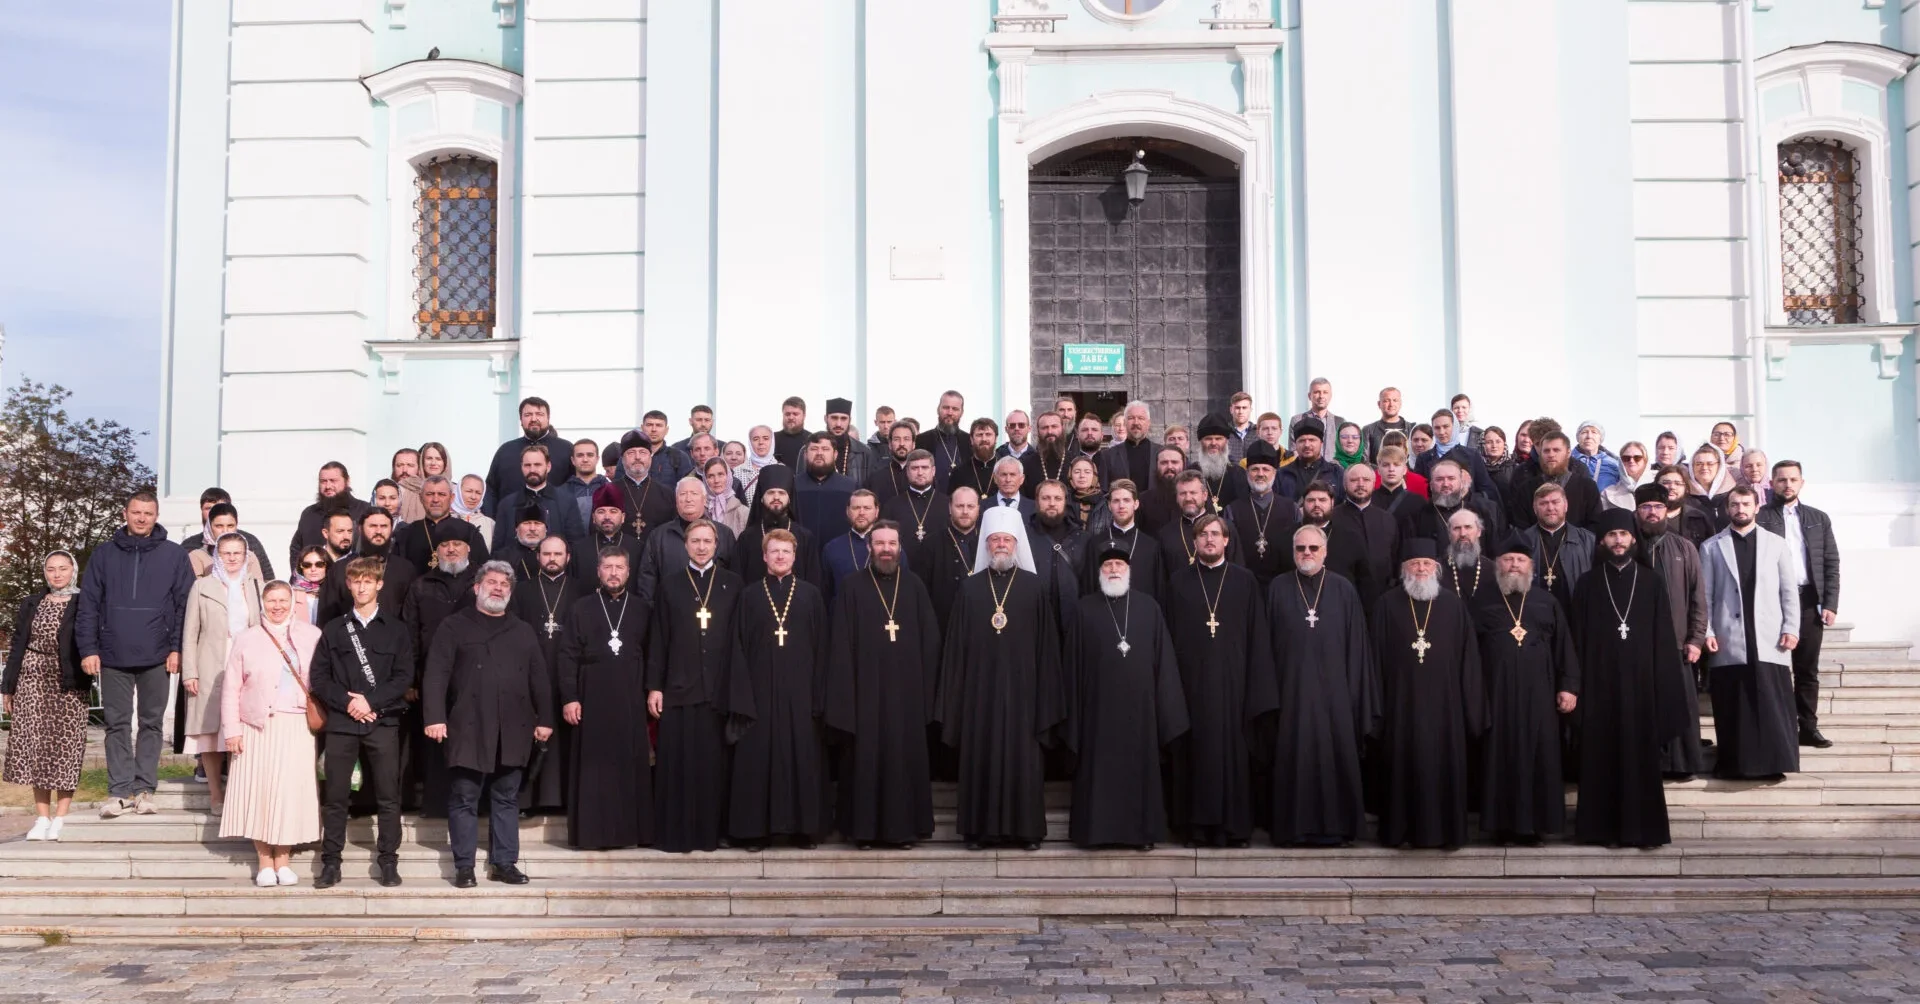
point(639, 524)
point(705, 616)
point(780, 635)
point(1420, 645)
point(433, 560)
point(1519, 634)
point(1213, 626)
point(1313, 617)
point(1623, 630)
point(551, 626)
point(920, 533)
point(1549, 577)
point(613, 643)
point(893, 630)
point(1260, 547)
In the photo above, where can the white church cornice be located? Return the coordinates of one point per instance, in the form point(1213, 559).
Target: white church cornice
point(1871, 64)
point(1156, 46)
point(426, 77)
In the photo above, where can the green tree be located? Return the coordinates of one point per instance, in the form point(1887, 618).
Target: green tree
point(63, 483)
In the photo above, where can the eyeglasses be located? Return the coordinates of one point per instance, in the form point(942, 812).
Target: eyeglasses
point(1308, 548)
point(313, 564)
point(1632, 458)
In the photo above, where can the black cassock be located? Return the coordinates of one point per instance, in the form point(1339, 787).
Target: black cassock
point(1479, 586)
point(779, 762)
point(1630, 705)
point(536, 601)
point(1179, 554)
point(750, 558)
point(1432, 706)
point(432, 598)
point(1001, 695)
point(879, 702)
point(1143, 569)
point(1266, 532)
point(1127, 707)
point(692, 663)
point(610, 795)
point(949, 560)
point(644, 505)
point(923, 517)
point(1327, 695)
point(1224, 674)
point(1522, 789)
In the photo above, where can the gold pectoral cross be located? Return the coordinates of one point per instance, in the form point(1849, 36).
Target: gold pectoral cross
point(780, 635)
point(704, 616)
point(1519, 635)
point(1213, 626)
point(1420, 645)
point(1549, 577)
point(893, 630)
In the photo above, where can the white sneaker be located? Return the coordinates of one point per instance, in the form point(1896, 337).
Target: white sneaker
point(53, 829)
point(40, 828)
point(267, 878)
point(287, 877)
point(113, 808)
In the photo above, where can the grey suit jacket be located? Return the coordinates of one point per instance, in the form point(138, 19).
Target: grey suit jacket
point(1776, 602)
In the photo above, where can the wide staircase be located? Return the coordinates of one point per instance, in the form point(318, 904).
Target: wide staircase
point(1844, 834)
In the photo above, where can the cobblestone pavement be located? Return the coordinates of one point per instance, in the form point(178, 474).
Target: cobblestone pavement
point(1837, 958)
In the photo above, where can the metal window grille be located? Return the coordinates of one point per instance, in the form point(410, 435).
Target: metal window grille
point(453, 256)
point(1820, 234)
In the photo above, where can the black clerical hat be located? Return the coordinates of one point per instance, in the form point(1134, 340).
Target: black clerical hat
point(1652, 491)
point(1262, 452)
point(839, 406)
point(528, 513)
point(453, 529)
point(1113, 552)
point(1214, 424)
point(1614, 519)
point(1310, 427)
point(635, 441)
point(1419, 547)
point(1513, 544)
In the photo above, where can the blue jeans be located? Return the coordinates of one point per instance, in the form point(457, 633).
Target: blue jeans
point(463, 815)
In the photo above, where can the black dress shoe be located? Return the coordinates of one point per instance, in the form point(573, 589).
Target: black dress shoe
point(463, 878)
point(328, 878)
point(389, 875)
point(1033, 845)
point(508, 874)
point(1813, 738)
point(975, 845)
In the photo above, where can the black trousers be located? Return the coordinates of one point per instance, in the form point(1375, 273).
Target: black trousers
point(378, 753)
point(1806, 661)
point(503, 823)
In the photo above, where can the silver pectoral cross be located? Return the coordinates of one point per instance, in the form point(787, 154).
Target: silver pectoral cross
point(1124, 647)
point(1260, 546)
point(1623, 630)
point(1420, 645)
point(614, 643)
point(552, 627)
point(1313, 617)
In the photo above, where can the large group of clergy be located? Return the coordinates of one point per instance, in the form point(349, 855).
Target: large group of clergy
point(1246, 626)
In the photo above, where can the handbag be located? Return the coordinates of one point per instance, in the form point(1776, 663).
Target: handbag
point(316, 715)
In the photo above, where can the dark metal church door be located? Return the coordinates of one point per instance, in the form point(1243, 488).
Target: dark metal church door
point(1161, 278)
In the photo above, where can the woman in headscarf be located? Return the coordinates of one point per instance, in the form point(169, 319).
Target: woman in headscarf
point(759, 454)
point(273, 800)
point(1711, 479)
point(222, 519)
point(1349, 447)
point(309, 572)
point(1086, 502)
point(219, 607)
point(1634, 472)
point(1725, 438)
point(466, 504)
point(722, 506)
point(45, 691)
point(1499, 461)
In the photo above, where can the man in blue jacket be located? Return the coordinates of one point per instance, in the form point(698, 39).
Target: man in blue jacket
point(132, 605)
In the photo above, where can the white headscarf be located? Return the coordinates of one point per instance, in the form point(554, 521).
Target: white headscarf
point(238, 618)
point(1000, 519)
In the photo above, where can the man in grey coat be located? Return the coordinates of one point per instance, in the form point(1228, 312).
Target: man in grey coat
point(1753, 624)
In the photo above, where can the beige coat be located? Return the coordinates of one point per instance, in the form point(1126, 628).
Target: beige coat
point(204, 642)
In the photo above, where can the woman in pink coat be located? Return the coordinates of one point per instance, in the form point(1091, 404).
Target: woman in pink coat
point(272, 798)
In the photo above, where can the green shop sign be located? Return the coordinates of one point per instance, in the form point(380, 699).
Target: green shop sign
point(1093, 359)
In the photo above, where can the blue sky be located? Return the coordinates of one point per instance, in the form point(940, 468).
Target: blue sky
point(83, 167)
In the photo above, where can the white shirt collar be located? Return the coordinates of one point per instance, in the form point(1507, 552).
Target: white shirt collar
point(368, 619)
point(702, 569)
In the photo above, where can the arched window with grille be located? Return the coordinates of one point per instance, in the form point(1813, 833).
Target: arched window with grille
point(1820, 232)
point(456, 231)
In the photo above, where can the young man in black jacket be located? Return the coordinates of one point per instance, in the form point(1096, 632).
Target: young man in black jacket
point(361, 672)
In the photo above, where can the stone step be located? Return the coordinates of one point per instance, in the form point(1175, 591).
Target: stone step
point(1839, 632)
point(37, 908)
point(186, 795)
point(423, 863)
point(1884, 788)
point(1870, 700)
point(35, 932)
point(1904, 675)
point(1898, 729)
point(1862, 653)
